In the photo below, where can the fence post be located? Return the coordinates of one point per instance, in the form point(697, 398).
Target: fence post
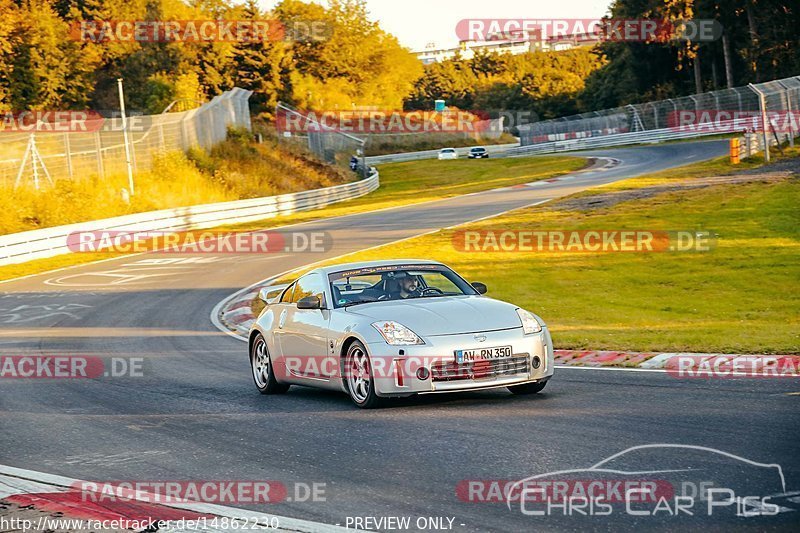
point(161, 143)
point(789, 112)
point(184, 135)
point(68, 153)
point(98, 146)
point(762, 104)
point(133, 152)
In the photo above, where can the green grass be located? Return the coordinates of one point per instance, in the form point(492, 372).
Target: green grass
point(741, 297)
point(401, 184)
point(393, 144)
point(720, 166)
point(430, 179)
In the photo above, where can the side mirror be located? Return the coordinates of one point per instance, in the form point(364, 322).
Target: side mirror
point(480, 287)
point(309, 302)
point(269, 293)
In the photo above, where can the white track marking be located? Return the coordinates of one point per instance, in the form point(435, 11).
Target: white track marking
point(657, 361)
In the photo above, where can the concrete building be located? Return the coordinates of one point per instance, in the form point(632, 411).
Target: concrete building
point(468, 49)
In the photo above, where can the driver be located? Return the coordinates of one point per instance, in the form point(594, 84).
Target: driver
point(406, 286)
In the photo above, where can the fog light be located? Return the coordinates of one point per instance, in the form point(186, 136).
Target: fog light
point(423, 373)
point(536, 362)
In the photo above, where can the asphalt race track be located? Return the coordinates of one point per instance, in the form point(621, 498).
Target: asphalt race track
point(196, 415)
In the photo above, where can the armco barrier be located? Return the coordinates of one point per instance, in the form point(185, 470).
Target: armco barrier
point(623, 139)
point(49, 242)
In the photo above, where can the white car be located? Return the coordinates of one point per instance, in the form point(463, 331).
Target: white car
point(448, 153)
point(395, 328)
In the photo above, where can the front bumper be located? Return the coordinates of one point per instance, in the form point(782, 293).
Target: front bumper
point(396, 367)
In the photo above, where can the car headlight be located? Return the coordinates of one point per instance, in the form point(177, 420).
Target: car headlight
point(397, 334)
point(529, 322)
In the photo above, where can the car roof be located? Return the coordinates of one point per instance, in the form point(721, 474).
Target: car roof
point(366, 264)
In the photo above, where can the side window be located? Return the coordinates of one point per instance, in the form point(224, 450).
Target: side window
point(286, 297)
point(438, 281)
point(309, 285)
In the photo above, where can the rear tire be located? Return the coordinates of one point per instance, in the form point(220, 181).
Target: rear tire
point(527, 388)
point(261, 365)
point(359, 379)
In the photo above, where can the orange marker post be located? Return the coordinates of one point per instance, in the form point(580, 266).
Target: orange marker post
point(735, 151)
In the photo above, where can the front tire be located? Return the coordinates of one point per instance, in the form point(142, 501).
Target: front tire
point(359, 379)
point(263, 373)
point(527, 388)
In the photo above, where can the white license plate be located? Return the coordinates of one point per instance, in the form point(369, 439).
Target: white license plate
point(480, 354)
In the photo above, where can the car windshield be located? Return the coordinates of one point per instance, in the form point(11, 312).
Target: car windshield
point(396, 282)
point(448, 151)
point(478, 150)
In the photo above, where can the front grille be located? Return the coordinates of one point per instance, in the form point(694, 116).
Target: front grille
point(482, 369)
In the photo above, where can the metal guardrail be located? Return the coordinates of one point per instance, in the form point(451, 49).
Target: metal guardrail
point(49, 242)
point(646, 137)
point(619, 139)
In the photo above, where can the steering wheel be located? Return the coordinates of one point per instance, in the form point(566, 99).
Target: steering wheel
point(384, 297)
point(431, 290)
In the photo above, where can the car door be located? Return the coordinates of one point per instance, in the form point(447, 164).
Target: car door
point(304, 332)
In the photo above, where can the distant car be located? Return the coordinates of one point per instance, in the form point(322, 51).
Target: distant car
point(395, 328)
point(479, 152)
point(448, 153)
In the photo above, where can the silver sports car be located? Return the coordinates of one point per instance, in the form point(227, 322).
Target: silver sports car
point(384, 329)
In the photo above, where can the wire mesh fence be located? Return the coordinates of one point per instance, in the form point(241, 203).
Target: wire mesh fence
point(736, 110)
point(99, 149)
point(359, 133)
point(327, 144)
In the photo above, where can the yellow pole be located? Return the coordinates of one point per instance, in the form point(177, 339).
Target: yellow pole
point(735, 151)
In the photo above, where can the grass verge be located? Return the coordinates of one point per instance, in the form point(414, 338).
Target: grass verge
point(394, 144)
point(739, 297)
point(401, 184)
point(236, 168)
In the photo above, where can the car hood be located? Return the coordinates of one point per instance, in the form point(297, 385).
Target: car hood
point(443, 315)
